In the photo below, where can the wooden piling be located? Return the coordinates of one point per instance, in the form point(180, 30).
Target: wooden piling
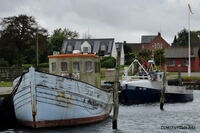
point(162, 96)
point(115, 93)
point(179, 75)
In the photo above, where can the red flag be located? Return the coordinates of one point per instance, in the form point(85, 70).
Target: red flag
point(190, 9)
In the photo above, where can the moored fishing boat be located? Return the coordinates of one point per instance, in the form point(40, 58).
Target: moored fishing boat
point(147, 86)
point(46, 100)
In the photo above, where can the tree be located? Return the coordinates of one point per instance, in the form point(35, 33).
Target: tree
point(58, 36)
point(175, 40)
point(130, 58)
point(145, 54)
point(108, 62)
point(182, 38)
point(148, 54)
point(159, 57)
point(18, 39)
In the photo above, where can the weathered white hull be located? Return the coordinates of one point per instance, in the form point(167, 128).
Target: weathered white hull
point(44, 100)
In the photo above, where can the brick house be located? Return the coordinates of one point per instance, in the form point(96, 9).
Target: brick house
point(147, 42)
point(153, 42)
point(179, 55)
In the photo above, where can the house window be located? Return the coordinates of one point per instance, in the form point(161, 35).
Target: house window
point(103, 48)
point(88, 66)
point(69, 48)
point(63, 66)
point(86, 47)
point(184, 62)
point(158, 45)
point(171, 63)
point(76, 66)
point(53, 66)
point(85, 50)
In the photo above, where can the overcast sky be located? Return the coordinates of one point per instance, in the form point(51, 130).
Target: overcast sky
point(124, 20)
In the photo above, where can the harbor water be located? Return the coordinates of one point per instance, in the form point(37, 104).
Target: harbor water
point(142, 118)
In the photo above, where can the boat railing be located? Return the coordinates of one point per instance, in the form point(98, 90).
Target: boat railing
point(135, 77)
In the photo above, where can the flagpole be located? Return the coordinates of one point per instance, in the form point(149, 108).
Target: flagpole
point(189, 59)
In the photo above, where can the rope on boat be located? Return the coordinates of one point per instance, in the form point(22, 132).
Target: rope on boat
point(17, 85)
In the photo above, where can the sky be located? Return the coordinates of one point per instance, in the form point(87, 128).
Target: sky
point(123, 20)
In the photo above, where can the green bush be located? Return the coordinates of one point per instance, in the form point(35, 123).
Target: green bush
point(26, 66)
point(43, 65)
point(108, 62)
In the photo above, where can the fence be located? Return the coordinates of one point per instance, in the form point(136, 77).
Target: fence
point(9, 74)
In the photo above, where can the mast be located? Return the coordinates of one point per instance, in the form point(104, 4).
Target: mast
point(189, 54)
point(189, 59)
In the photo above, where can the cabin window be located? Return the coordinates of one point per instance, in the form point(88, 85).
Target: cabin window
point(53, 66)
point(171, 63)
point(184, 63)
point(88, 66)
point(63, 66)
point(76, 66)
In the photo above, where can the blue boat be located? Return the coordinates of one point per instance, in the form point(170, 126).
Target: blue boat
point(147, 87)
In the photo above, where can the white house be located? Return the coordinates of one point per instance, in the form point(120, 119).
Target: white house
point(102, 47)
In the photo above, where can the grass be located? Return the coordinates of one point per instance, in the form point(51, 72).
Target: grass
point(5, 84)
point(172, 73)
point(186, 78)
point(192, 78)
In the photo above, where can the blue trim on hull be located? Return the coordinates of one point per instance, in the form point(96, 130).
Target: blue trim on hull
point(139, 95)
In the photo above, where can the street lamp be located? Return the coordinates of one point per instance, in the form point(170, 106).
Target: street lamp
point(44, 33)
point(37, 61)
point(38, 31)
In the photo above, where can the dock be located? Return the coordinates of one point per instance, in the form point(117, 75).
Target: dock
point(7, 114)
point(4, 91)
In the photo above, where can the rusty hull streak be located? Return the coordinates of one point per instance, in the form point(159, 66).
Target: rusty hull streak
point(67, 100)
point(66, 122)
point(33, 115)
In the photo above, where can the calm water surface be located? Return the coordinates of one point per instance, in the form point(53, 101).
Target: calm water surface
point(144, 118)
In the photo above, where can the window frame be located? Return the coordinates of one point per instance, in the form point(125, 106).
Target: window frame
point(86, 49)
point(89, 66)
point(75, 69)
point(53, 66)
point(171, 64)
point(64, 65)
point(184, 63)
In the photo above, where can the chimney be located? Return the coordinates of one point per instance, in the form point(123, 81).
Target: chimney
point(159, 34)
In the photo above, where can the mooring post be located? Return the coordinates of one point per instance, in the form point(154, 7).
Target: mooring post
point(179, 75)
point(115, 93)
point(162, 96)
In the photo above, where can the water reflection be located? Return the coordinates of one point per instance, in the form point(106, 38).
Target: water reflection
point(139, 119)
